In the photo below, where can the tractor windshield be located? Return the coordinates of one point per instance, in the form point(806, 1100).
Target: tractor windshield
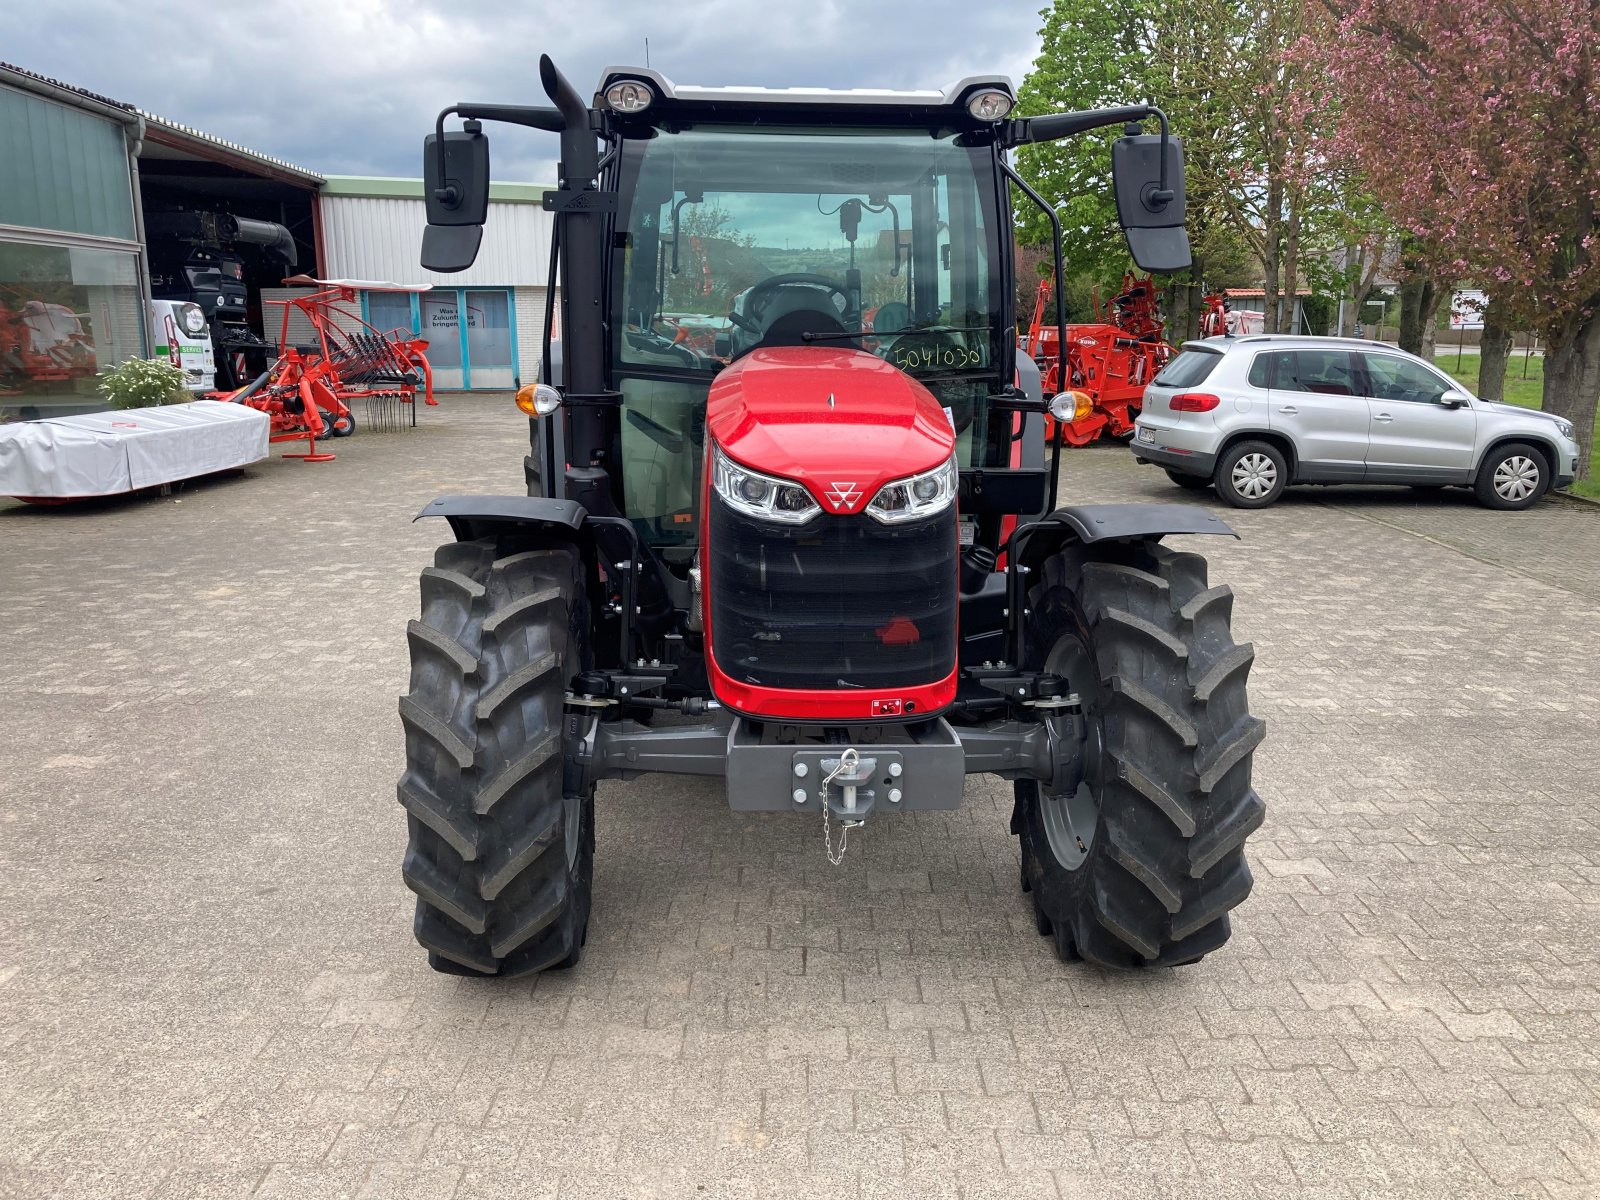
point(735, 237)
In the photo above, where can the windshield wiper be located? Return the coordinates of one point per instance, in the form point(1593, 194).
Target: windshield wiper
point(808, 336)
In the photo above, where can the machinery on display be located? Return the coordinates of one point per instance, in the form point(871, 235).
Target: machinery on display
point(308, 391)
point(41, 343)
point(821, 562)
point(198, 258)
point(1221, 319)
point(1109, 362)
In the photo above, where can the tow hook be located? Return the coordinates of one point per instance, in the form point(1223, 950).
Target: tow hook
point(845, 793)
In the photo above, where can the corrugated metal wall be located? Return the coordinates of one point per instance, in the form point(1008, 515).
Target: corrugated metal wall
point(63, 169)
point(368, 237)
point(301, 331)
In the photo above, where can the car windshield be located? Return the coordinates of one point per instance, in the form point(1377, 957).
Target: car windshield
point(738, 237)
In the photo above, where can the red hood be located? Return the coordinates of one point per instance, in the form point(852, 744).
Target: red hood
point(771, 411)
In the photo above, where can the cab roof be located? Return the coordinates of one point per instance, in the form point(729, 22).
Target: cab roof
point(805, 97)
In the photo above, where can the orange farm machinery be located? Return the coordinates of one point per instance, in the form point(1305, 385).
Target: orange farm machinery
point(41, 343)
point(311, 387)
point(1110, 361)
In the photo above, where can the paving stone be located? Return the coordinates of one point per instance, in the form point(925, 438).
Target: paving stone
point(208, 982)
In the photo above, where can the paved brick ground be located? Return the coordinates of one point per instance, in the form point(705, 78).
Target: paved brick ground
point(208, 985)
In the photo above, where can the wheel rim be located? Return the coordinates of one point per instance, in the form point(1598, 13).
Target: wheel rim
point(1070, 821)
point(1516, 478)
point(1254, 475)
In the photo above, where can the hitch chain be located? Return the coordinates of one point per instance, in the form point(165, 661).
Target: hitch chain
point(849, 761)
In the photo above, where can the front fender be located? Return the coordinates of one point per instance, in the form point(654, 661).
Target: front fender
point(1091, 523)
point(484, 516)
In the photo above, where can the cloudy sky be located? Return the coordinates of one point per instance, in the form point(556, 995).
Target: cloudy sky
point(350, 86)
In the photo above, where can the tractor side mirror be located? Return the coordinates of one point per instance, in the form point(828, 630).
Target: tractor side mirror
point(455, 186)
point(1150, 200)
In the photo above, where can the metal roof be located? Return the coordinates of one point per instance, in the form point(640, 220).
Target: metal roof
point(187, 133)
point(25, 76)
point(401, 188)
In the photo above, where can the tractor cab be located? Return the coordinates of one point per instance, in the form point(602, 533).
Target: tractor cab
point(763, 223)
point(789, 522)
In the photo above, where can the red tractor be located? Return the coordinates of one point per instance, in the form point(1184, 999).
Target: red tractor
point(1109, 362)
point(833, 577)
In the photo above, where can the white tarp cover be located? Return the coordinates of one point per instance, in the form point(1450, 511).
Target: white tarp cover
point(102, 454)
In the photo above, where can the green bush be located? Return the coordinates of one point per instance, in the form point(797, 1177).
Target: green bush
point(143, 383)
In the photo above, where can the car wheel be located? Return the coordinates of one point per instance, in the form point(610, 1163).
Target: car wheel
point(1251, 475)
point(1512, 477)
point(1193, 483)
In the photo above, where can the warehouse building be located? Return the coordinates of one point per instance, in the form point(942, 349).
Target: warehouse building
point(73, 276)
point(485, 325)
point(104, 206)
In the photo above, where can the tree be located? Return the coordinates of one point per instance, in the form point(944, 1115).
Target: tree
point(1092, 54)
point(1475, 124)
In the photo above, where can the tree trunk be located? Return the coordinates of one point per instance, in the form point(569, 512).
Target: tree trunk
point(1417, 306)
point(1272, 239)
point(1494, 346)
point(1349, 305)
point(1197, 304)
point(1432, 296)
point(1291, 269)
point(1572, 379)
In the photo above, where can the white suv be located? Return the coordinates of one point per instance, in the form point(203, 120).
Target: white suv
point(1251, 415)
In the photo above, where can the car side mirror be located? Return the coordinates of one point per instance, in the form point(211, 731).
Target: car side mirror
point(1152, 215)
point(1453, 399)
point(455, 187)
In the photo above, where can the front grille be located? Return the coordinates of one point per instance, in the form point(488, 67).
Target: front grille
point(840, 602)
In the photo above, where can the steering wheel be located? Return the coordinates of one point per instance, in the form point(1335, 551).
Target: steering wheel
point(757, 298)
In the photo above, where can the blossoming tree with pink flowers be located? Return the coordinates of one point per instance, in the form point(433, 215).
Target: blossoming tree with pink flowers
point(1476, 124)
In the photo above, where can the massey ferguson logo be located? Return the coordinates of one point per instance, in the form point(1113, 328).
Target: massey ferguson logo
point(843, 495)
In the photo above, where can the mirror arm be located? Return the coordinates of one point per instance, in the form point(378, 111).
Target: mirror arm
point(1054, 126)
point(516, 114)
point(1061, 313)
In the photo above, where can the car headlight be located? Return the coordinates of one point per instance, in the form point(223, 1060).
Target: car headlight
point(917, 496)
point(760, 496)
point(1565, 427)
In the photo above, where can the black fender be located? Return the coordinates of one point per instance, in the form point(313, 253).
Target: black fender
point(473, 517)
point(1091, 523)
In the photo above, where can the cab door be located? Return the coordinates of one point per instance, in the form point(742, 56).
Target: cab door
point(1415, 438)
point(1316, 400)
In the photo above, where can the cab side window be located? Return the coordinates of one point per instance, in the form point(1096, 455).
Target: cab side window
point(1393, 378)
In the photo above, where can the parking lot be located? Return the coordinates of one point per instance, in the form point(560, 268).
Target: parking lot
point(209, 986)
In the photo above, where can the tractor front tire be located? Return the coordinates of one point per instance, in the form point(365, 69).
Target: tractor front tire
point(501, 853)
point(1140, 865)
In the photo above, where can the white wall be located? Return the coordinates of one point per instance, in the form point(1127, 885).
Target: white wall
point(367, 237)
point(530, 305)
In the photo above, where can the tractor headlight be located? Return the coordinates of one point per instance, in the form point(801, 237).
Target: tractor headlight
point(629, 96)
point(917, 496)
point(760, 496)
point(193, 319)
point(990, 104)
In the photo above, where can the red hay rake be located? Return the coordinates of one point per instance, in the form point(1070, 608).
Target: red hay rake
point(309, 390)
point(1110, 362)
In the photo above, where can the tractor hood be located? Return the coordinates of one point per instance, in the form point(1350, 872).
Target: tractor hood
point(841, 422)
